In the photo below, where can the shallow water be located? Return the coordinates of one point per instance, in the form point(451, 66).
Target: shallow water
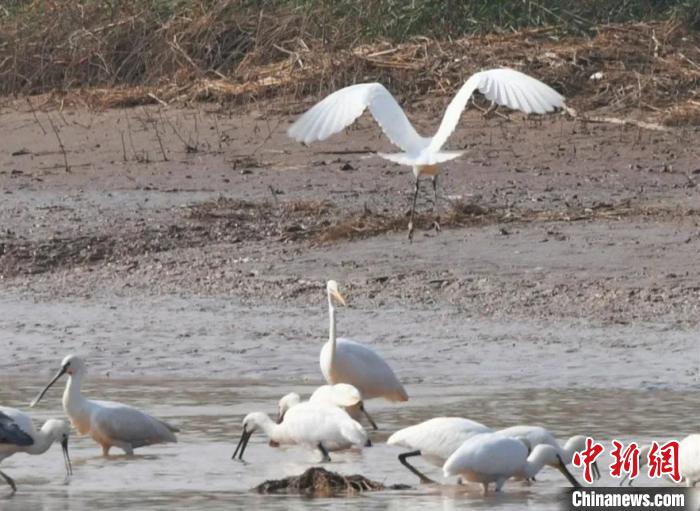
point(198, 471)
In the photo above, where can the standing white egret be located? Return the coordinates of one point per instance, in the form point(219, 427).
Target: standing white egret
point(505, 87)
point(347, 361)
point(313, 425)
point(109, 424)
point(537, 435)
point(493, 458)
point(435, 439)
point(17, 434)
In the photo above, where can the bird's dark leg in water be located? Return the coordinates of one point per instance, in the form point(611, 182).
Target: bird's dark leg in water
point(402, 459)
point(9, 481)
point(369, 418)
point(413, 210)
point(436, 223)
point(326, 457)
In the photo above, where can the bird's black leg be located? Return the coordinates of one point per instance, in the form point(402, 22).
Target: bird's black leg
point(369, 417)
point(434, 179)
point(402, 459)
point(413, 210)
point(9, 481)
point(326, 457)
point(436, 222)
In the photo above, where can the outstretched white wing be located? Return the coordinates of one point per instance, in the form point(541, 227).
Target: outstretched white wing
point(340, 109)
point(505, 87)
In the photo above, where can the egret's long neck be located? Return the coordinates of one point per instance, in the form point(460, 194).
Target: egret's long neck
point(42, 442)
point(331, 331)
point(535, 462)
point(567, 452)
point(73, 400)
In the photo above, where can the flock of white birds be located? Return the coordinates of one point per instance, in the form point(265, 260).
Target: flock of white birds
point(329, 420)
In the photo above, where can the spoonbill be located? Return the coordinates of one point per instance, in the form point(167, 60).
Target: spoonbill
point(493, 458)
point(313, 425)
point(343, 395)
point(435, 439)
point(109, 424)
point(347, 361)
point(337, 111)
point(17, 434)
point(688, 460)
point(537, 435)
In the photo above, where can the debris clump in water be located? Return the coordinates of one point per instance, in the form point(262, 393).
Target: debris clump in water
point(319, 482)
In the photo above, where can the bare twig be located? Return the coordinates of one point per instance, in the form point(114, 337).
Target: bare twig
point(36, 118)
point(60, 143)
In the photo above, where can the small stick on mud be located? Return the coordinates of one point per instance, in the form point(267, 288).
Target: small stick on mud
point(36, 118)
point(126, 159)
point(60, 143)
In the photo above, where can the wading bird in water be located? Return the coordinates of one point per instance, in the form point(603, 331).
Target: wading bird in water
point(109, 424)
point(537, 435)
point(343, 395)
point(17, 434)
point(314, 425)
point(505, 87)
point(347, 361)
point(493, 458)
point(435, 440)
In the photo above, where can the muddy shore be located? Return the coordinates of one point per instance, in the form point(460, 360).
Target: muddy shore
point(553, 223)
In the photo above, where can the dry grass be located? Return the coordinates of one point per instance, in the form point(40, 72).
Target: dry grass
point(321, 222)
point(231, 52)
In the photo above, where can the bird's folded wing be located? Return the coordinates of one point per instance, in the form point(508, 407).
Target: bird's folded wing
point(11, 434)
point(340, 109)
point(506, 87)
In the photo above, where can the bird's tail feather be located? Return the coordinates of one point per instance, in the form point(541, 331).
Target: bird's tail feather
point(430, 159)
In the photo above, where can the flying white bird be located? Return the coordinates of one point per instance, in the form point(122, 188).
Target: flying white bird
point(537, 435)
point(313, 425)
point(493, 458)
point(109, 424)
point(17, 434)
point(505, 87)
point(343, 395)
point(346, 361)
point(435, 439)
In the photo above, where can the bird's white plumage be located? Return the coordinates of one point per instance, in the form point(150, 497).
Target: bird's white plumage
point(689, 459)
point(346, 361)
point(340, 109)
point(340, 394)
point(126, 424)
point(505, 87)
point(491, 457)
point(537, 435)
point(109, 423)
point(362, 367)
point(437, 438)
point(310, 424)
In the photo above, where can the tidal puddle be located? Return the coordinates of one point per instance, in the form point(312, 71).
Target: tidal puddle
point(198, 471)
